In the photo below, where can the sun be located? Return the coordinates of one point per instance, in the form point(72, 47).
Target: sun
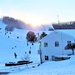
point(33, 21)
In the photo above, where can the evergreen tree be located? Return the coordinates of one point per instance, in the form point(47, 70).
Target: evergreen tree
point(31, 37)
point(43, 35)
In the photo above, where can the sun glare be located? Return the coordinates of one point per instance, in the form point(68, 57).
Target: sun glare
point(33, 21)
point(29, 18)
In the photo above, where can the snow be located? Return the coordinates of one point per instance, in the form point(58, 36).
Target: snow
point(69, 32)
point(65, 67)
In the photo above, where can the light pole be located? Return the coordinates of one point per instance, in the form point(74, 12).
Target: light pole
point(40, 48)
point(40, 52)
point(58, 18)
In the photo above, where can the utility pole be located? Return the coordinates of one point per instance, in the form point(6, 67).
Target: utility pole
point(40, 48)
point(40, 52)
point(58, 18)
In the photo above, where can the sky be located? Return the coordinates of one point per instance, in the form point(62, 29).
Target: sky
point(38, 12)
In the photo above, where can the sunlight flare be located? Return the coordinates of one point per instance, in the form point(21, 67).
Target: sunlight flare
point(29, 18)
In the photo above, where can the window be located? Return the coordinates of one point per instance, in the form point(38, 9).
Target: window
point(56, 44)
point(46, 58)
point(69, 44)
point(45, 44)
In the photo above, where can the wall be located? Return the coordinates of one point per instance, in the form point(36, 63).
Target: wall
point(51, 50)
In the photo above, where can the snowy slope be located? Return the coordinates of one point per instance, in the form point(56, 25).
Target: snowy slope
point(10, 44)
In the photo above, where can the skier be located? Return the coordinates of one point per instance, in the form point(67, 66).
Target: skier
point(15, 55)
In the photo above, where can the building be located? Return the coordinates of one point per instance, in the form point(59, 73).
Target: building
point(55, 42)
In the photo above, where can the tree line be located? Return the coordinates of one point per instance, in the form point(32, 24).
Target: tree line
point(64, 25)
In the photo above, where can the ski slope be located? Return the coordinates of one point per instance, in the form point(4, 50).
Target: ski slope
point(9, 43)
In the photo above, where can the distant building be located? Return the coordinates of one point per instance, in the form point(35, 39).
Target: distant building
point(54, 43)
point(64, 25)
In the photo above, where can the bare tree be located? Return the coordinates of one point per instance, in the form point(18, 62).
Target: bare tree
point(70, 47)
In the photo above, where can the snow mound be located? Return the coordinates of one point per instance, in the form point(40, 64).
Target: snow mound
point(72, 59)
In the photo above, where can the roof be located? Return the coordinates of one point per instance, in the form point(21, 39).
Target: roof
point(69, 32)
